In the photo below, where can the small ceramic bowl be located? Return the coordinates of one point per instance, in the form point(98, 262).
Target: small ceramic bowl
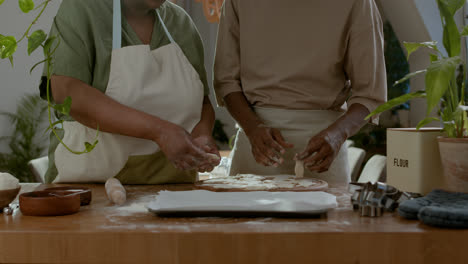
point(85, 193)
point(7, 196)
point(47, 203)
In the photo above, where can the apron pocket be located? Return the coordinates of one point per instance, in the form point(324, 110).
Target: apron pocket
point(153, 169)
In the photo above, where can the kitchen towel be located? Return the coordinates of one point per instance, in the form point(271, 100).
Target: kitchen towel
point(439, 208)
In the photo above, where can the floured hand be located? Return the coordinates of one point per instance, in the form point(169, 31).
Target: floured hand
point(212, 156)
point(322, 150)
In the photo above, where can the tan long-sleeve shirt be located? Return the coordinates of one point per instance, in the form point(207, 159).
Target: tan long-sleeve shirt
point(299, 54)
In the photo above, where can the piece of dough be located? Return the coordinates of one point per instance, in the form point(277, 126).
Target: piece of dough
point(250, 182)
point(299, 169)
point(115, 191)
point(213, 157)
point(8, 182)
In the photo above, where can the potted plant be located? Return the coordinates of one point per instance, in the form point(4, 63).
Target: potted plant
point(445, 87)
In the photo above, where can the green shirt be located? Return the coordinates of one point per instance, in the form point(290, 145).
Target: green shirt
point(84, 28)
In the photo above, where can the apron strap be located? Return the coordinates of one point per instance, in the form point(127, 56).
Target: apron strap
point(165, 28)
point(117, 26)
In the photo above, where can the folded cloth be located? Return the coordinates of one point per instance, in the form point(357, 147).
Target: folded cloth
point(439, 208)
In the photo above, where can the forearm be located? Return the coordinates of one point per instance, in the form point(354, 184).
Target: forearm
point(96, 110)
point(240, 110)
point(206, 124)
point(351, 122)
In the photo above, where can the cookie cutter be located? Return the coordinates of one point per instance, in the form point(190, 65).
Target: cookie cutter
point(373, 199)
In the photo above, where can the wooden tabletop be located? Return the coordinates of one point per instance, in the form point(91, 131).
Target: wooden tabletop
point(105, 233)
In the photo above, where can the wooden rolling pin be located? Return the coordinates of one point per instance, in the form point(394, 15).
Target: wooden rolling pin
point(115, 191)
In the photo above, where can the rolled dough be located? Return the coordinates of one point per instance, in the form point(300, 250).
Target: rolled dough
point(8, 182)
point(299, 169)
point(250, 182)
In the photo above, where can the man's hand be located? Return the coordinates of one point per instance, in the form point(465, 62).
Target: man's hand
point(268, 145)
point(322, 149)
point(207, 143)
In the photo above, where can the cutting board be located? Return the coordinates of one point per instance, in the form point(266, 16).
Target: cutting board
point(250, 182)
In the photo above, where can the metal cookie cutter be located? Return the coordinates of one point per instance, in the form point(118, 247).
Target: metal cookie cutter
point(373, 199)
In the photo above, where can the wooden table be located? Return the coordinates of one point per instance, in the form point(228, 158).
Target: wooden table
point(104, 233)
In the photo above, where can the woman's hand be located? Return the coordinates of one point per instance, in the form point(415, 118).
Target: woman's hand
point(207, 143)
point(180, 148)
point(268, 145)
point(322, 149)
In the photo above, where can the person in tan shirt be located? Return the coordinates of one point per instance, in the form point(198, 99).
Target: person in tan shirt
point(299, 77)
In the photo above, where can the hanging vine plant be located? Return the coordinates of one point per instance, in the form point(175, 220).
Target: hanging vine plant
point(49, 44)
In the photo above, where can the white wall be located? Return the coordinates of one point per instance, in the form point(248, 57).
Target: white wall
point(417, 21)
point(15, 82)
point(209, 32)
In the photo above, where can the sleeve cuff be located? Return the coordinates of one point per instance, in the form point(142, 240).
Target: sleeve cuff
point(370, 104)
point(222, 90)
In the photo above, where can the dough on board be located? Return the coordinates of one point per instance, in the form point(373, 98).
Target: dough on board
point(251, 182)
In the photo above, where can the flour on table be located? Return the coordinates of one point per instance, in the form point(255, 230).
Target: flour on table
point(8, 182)
point(251, 182)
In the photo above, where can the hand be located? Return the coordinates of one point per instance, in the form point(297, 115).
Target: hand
point(321, 150)
point(267, 145)
point(180, 148)
point(207, 143)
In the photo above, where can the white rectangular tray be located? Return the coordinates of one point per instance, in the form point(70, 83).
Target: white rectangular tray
point(206, 203)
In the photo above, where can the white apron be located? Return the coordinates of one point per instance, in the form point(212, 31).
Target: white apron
point(160, 82)
point(297, 127)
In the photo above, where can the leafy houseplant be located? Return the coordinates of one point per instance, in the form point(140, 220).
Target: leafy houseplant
point(49, 44)
point(25, 142)
point(445, 81)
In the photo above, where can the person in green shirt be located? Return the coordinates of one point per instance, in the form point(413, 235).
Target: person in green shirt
point(135, 70)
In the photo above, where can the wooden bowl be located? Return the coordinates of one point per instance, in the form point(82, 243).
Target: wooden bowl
point(7, 196)
point(46, 203)
point(85, 195)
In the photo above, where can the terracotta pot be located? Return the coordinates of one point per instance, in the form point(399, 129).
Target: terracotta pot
point(454, 156)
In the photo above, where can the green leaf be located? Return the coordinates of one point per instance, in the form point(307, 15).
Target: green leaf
point(414, 46)
point(438, 77)
point(26, 5)
point(451, 37)
point(453, 5)
point(89, 147)
point(65, 107)
point(35, 40)
point(11, 61)
point(48, 44)
point(464, 32)
point(396, 102)
point(426, 121)
point(35, 65)
point(1, 2)
point(409, 76)
point(433, 57)
point(8, 46)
